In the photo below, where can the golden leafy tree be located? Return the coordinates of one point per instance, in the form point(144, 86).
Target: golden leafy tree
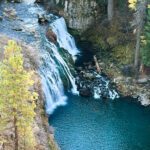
point(132, 4)
point(17, 99)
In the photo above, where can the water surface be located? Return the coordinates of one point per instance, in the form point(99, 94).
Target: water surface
point(88, 124)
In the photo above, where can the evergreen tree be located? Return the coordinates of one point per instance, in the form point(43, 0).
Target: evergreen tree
point(140, 7)
point(16, 100)
point(145, 40)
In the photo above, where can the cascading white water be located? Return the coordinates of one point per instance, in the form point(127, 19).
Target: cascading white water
point(52, 67)
point(112, 94)
point(64, 39)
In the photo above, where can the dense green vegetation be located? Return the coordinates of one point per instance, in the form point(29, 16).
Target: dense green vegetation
point(145, 40)
point(123, 39)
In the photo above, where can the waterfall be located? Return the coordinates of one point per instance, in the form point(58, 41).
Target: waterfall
point(64, 39)
point(53, 66)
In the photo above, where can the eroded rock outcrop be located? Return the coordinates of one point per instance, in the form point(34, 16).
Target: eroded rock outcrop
point(80, 14)
point(91, 82)
point(127, 84)
point(43, 133)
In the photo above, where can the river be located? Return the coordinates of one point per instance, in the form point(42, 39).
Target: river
point(83, 123)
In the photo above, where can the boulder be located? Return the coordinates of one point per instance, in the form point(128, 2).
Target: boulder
point(85, 92)
point(51, 36)
point(142, 81)
point(89, 76)
point(144, 98)
point(42, 18)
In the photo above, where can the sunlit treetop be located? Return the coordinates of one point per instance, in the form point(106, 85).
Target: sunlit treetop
point(132, 4)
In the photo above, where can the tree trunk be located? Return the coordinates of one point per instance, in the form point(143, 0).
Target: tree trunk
point(110, 9)
point(139, 16)
point(137, 53)
point(16, 133)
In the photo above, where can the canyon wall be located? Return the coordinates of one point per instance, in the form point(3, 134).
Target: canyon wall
point(79, 14)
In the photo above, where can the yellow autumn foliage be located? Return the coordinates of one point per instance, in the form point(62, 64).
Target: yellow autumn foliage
point(17, 100)
point(132, 4)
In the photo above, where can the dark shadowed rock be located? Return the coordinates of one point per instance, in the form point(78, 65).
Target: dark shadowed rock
point(17, 1)
point(85, 92)
point(1, 18)
point(42, 19)
point(17, 29)
point(127, 70)
point(90, 83)
point(38, 1)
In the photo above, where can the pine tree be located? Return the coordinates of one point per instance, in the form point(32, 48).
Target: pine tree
point(145, 40)
point(140, 8)
point(16, 98)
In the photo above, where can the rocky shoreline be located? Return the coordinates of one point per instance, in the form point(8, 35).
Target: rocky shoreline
point(126, 83)
point(91, 82)
point(122, 80)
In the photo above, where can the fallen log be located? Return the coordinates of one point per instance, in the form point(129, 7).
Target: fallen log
point(98, 68)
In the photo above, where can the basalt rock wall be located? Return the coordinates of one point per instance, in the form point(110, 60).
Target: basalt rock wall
point(79, 14)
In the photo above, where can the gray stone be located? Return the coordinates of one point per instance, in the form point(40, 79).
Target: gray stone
point(144, 98)
point(118, 79)
point(142, 80)
point(80, 14)
point(38, 1)
point(89, 76)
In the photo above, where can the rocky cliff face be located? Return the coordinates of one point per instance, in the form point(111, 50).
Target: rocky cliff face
point(80, 14)
point(44, 134)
